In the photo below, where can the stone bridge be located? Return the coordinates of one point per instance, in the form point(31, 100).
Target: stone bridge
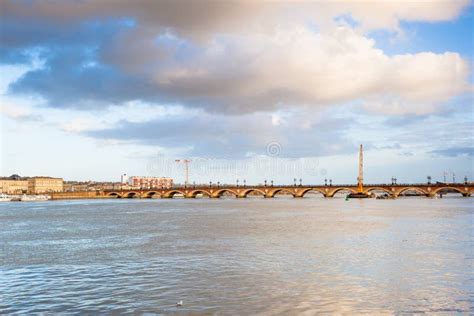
point(428, 190)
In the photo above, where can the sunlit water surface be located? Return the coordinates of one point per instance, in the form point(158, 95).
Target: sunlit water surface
point(245, 256)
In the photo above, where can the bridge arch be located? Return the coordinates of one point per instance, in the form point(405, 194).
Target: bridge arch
point(419, 190)
point(275, 192)
point(306, 191)
point(435, 191)
point(247, 192)
point(332, 193)
point(151, 194)
point(114, 194)
point(221, 192)
point(386, 190)
point(131, 195)
point(172, 193)
point(194, 193)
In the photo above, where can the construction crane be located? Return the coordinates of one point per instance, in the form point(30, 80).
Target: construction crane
point(186, 167)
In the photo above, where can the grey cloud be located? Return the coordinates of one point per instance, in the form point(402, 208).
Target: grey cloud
point(197, 54)
point(454, 152)
point(65, 83)
point(191, 17)
point(25, 117)
point(234, 136)
point(405, 120)
point(30, 118)
point(187, 17)
point(390, 146)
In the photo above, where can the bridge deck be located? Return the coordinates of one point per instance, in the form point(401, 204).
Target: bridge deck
point(394, 190)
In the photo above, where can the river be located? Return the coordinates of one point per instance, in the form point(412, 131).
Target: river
point(237, 256)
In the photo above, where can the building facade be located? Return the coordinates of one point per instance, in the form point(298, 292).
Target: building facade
point(13, 186)
point(150, 182)
point(45, 185)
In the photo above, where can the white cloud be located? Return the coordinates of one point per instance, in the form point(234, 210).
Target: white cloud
point(300, 67)
point(78, 125)
point(386, 14)
point(244, 56)
point(17, 112)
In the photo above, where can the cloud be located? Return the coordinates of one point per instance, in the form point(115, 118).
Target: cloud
point(229, 57)
point(251, 73)
point(404, 120)
point(454, 152)
point(387, 14)
point(298, 67)
point(205, 17)
point(63, 83)
point(236, 76)
point(406, 154)
point(202, 134)
point(18, 113)
point(392, 146)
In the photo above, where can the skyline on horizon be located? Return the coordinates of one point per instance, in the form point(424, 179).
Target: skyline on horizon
point(254, 91)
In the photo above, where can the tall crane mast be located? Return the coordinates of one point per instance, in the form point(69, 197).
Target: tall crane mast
point(186, 167)
point(360, 178)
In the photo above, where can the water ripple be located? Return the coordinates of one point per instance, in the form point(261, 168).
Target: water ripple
point(247, 257)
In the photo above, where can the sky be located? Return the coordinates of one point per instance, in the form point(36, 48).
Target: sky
point(247, 90)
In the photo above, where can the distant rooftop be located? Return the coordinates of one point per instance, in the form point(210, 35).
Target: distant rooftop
point(13, 177)
point(17, 177)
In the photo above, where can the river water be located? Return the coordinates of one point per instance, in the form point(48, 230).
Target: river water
point(237, 256)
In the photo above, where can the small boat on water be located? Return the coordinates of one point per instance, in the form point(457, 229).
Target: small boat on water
point(5, 198)
point(30, 198)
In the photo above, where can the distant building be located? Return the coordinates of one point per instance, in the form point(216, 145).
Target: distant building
point(150, 182)
point(13, 185)
point(45, 185)
point(123, 178)
point(73, 186)
point(77, 186)
point(111, 186)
